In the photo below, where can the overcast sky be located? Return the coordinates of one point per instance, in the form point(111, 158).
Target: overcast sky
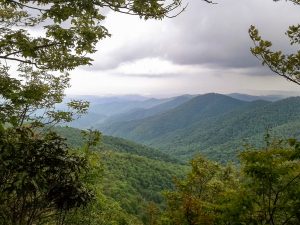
point(205, 49)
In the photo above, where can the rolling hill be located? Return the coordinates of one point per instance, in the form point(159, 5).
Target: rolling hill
point(107, 109)
point(134, 175)
point(75, 139)
point(142, 113)
point(198, 108)
point(213, 124)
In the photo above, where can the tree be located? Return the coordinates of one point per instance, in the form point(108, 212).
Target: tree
point(32, 99)
point(71, 29)
point(198, 199)
point(40, 180)
point(285, 65)
point(270, 192)
point(264, 191)
point(39, 177)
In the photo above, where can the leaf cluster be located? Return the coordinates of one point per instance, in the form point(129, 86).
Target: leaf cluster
point(40, 179)
point(33, 98)
point(71, 29)
point(285, 65)
point(265, 190)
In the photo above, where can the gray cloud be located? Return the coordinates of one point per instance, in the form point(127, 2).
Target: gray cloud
point(211, 35)
point(151, 76)
point(219, 34)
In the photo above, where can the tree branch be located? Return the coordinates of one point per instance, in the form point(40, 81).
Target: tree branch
point(27, 6)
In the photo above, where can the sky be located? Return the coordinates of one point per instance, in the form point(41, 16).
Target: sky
point(204, 49)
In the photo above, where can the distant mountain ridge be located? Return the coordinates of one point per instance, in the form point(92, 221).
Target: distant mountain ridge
point(142, 113)
point(250, 98)
point(197, 108)
point(101, 109)
point(213, 124)
point(111, 109)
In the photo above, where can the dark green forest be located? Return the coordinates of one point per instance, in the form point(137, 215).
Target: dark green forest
point(217, 126)
point(208, 159)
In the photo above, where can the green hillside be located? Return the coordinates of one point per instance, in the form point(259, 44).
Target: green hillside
point(197, 109)
point(221, 137)
point(108, 143)
point(213, 124)
point(136, 181)
point(133, 175)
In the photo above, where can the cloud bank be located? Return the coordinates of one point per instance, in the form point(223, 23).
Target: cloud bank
point(204, 45)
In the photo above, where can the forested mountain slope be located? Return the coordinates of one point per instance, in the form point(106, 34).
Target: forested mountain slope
point(137, 114)
point(106, 111)
point(133, 175)
point(198, 108)
point(213, 124)
point(108, 143)
point(136, 181)
point(122, 108)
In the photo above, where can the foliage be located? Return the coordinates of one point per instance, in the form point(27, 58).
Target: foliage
point(33, 97)
point(126, 146)
point(197, 199)
point(102, 211)
point(135, 181)
point(71, 29)
point(285, 65)
point(92, 138)
point(40, 178)
point(266, 191)
point(217, 126)
point(129, 183)
point(271, 189)
point(108, 143)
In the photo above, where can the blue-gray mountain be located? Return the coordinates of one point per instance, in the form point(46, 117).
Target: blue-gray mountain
point(141, 113)
point(103, 109)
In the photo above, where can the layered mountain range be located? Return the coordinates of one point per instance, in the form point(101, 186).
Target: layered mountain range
point(212, 124)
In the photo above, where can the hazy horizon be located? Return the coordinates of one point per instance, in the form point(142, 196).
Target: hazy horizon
point(136, 95)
